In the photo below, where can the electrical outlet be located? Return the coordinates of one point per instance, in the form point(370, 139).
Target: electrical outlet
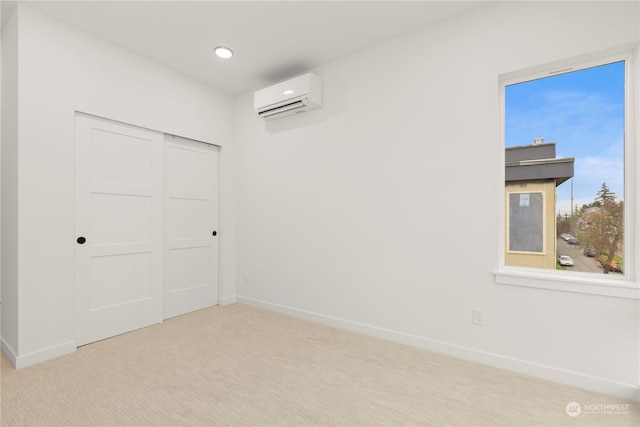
point(478, 316)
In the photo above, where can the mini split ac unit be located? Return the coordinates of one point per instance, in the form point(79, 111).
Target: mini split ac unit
point(294, 96)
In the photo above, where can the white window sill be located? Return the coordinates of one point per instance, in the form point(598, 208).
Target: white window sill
point(611, 285)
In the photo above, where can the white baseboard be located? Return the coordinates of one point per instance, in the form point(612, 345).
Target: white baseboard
point(37, 356)
point(8, 351)
point(227, 301)
point(550, 373)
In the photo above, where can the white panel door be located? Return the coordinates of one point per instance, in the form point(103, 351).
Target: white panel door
point(191, 246)
point(119, 228)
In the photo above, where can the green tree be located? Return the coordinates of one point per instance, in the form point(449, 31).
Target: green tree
point(605, 224)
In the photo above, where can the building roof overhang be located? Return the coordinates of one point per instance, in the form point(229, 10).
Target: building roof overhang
point(558, 169)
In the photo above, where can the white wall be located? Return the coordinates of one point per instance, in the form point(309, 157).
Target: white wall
point(9, 179)
point(62, 70)
point(379, 211)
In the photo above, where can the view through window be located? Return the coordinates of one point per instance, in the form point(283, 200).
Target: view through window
point(564, 171)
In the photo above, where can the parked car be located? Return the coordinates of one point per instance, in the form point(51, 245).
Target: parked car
point(572, 240)
point(589, 251)
point(565, 261)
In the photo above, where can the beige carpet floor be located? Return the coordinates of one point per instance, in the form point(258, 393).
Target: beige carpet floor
point(242, 366)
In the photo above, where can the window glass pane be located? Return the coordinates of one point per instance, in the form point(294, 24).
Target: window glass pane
point(565, 134)
point(525, 222)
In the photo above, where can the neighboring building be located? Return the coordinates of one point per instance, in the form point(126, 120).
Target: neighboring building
point(583, 221)
point(532, 173)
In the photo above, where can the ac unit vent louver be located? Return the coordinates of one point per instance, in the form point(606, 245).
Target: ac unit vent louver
point(282, 109)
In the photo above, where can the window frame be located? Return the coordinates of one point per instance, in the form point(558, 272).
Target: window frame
point(627, 286)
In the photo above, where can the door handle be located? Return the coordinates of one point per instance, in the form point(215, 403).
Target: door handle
point(215, 233)
point(81, 240)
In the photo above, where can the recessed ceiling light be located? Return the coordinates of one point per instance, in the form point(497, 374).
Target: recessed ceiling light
point(223, 52)
point(288, 92)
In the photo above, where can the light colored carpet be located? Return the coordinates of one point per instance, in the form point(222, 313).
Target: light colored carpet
point(238, 365)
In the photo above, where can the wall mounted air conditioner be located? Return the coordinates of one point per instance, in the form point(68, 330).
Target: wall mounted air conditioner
point(294, 96)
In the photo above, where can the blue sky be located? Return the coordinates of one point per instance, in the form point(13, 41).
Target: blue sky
point(583, 113)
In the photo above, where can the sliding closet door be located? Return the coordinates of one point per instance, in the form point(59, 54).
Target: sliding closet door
point(119, 228)
point(191, 246)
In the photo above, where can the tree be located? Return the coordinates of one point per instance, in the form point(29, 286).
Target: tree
point(605, 224)
point(563, 225)
point(605, 196)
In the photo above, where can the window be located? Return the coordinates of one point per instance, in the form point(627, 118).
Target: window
point(569, 153)
point(526, 222)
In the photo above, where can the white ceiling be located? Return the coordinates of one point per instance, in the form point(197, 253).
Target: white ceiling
point(272, 40)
